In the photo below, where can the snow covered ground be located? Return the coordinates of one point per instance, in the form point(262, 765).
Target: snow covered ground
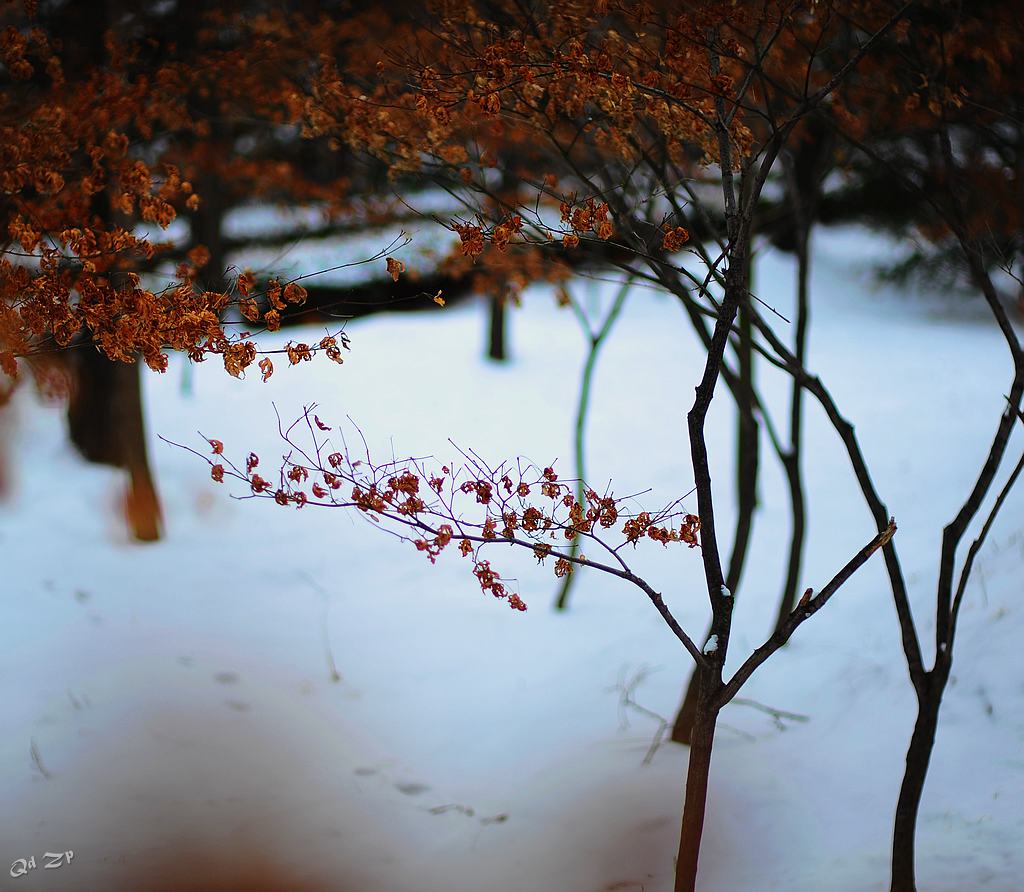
point(159, 699)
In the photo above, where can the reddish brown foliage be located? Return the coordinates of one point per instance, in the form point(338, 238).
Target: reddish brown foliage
point(470, 503)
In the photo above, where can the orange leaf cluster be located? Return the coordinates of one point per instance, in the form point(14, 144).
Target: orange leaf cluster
point(104, 135)
point(472, 505)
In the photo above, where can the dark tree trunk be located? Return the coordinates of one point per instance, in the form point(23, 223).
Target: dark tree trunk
point(908, 805)
point(105, 418)
point(142, 504)
point(747, 464)
point(803, 176)
point(207, 230)
point(496, 349)
point(747, 458)
point(702, 738)
point(90, 409)
point(792, 458)
point(682, 728)
point(106, 424)
point(796, 543)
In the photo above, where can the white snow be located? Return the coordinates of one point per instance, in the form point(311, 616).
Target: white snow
point(725, 592)
point(711, 646)
point(180, 694)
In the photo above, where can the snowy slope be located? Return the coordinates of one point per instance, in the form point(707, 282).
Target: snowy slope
point(179, 694)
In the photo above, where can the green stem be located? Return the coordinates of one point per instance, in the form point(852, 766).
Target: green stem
point(582, 408)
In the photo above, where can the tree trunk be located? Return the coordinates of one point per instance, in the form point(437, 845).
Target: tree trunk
point(804, 174)
point(748, 439)
point(747, 456)
point(142, 505)
point(105, 422)
point(105, 408)
point(90, 411)
point(207, 223)
point(496, 330)
point(682, 728)
point(791, 460)
point(787, 602)
point(918, 757)
point(702, 740)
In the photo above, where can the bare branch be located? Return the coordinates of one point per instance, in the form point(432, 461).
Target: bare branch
point(804, 611)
